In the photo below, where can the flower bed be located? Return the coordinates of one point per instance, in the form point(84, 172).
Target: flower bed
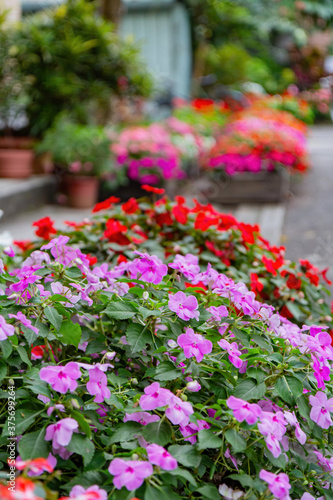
point(165, 227)
point(153, 377)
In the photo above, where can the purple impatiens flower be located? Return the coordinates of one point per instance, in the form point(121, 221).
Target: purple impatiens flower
point(243, 410)
point(6, 330)
point(143, 417)
point(194, 345)
point(148, 268)
point(61, 378)
point(24, 320)
point(233, 352)
point(61, 432)
point(277, 483)
point(157, 455)
point(129, 473)
point(97, 385)
point(187, 265)
point(184, 306)
point(155, 397)
point(321, 408)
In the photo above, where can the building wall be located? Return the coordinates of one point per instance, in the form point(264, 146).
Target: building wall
point(13, 8)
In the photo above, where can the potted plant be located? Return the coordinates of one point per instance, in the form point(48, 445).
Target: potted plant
point(16, 151)
point(82, 155)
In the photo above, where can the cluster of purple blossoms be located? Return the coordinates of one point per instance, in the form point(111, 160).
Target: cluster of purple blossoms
point(188, 265)
point(184, 306)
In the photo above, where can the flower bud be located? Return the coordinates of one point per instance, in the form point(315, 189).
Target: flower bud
point(134, 381)
point(110, 355)
point(172, 343)
point(183, 397)
point(193, 386)
point(145, 295)
point(75, 404)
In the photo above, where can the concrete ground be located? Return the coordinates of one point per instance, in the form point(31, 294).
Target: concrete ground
point(308, 226)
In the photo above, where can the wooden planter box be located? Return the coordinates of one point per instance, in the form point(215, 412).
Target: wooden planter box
point(262, 187)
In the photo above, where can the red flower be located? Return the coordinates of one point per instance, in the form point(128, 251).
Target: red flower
point(104, 205)
point(293, 283)
point(76, 225)
point(203, 104)
point(45, 228)
point(131, 206)
point(271, 265)
point(256, 285)
point(198, 285)
point(164, 219)
point(24, 245)
point(121, 259)
point(314, 279)
point(114, 230)
point(249, 232)
point(323, 273)
point(38, 351)
point(286, 313)
point(330, 332)
point(180, 211)
point(151, 189)
point(92, 259)
point(205, 220)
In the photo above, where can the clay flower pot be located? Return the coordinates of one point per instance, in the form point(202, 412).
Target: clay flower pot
point(82, 190)
point(16, 163)
point(16, 157)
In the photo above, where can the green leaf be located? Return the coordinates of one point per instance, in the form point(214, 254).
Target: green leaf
point(148, 312)
point(82, 446)
point(242, 336)
point(6, 347)
point(243, 479)
point(210, 492)
point(167, 371)
point(236, 440)
point(185, 474)
point(295, 310)
point(73, 272)
point(33, 445)
point(248, 389)
point(263, 343)
point(39, 387)
point(120, 310)
point(256, 373)
point(23, 355)
point(3, 370)
point(126, 432)
point(138, 336)
point(186, 455)
point(53, 316)
point(288, 388)
point(157, 432)
point(304, 410)
point(71, 333)
point(84, 426)
point(162, 493)
point(23, 420)
point(207, 439)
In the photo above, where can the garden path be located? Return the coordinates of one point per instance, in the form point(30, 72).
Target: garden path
point(308, 227)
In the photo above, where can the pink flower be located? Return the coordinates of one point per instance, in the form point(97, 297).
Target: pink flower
point(191, 430)
point(130, 474)
point(91, 493)
point(325, 463)
point(37, 466)
point(185, 307)
point(194, 345)
point(179, 411)
point(150, 268)
point(321, 407)
point(6, 330)
point(157, 455)
point(97, 385)
point(155, 397)
point(292, 420)
point(321, 371)
point(24, 320)
point(61, 378)
point(61, 432)
point(233, 352)
point(277, 483)
point(272, 426)
point(143, 417)
point(187, 265)
point(218, 313)
point(244, 410)
point(193, 386)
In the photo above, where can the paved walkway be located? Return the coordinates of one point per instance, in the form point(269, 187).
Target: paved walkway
point(308, 227)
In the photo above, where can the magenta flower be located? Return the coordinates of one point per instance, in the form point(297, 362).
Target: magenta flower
point(155, 397)
point(63, 254)
point(24, 320)
point(6, 330)
point(61, 378)
point(277, 483)
point(243, 410)
point(322, 371)
point(233, 352)
point(187, 265)
point(157, 455)
point(217, 313)
point(194, 345)
point(149, 267)
point(325, 463)
point(143, 417)
point(61, 432)
point(193, 386)
point(321, 408)
point(97, 385)
point(60, 289)
point(292, 420)
point(191, 430)
point(272, 426)
point(91, 493)
point(130, 474)
point(185, 307)
point(179, 411)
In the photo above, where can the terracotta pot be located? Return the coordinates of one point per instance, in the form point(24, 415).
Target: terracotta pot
point(17, 142)
point(82, 191)
point(16, 163)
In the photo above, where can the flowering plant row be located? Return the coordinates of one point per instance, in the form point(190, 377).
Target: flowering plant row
point(260, 139)
point(165, 227)
point(131, 383)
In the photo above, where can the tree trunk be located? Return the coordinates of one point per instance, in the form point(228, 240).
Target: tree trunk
point(111, 10)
